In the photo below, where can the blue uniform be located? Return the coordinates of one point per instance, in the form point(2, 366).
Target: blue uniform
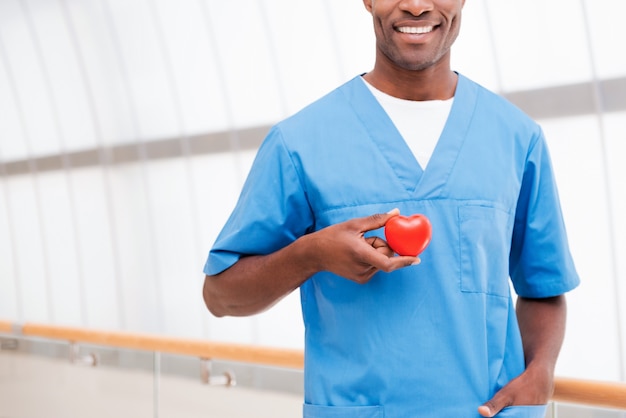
point(433, 340)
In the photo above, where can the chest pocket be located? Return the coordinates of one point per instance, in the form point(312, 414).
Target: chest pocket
point(485, 242)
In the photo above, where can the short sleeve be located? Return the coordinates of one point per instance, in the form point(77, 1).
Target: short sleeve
point(540, 261)
point(272, 210)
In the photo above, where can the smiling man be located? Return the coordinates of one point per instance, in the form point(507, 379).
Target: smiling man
point(387, 335)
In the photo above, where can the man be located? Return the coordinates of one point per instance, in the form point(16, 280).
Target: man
point(386, 337)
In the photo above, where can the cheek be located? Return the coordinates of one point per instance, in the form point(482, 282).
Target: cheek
point(455, 28)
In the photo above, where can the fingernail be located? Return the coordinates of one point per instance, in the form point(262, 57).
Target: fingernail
point(416, 262)
point(393, 211)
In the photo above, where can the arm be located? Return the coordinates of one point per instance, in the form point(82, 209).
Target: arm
point(542, 326)
point(255, 283)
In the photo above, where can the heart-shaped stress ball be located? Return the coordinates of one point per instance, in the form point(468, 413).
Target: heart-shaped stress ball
point(408, 235)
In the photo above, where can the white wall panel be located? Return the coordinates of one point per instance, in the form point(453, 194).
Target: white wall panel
point(353, 37)
point(195, 72)
point(473, 53)
point(539, 43)
point(302, 50)
point(12, 142)
point(576, 150)
point(282, 326)
point(142, 64)
point(64, 87)
point(29, 245)
point(244, 53)
point(615, 129)
point(218, 181)
point(63, 267)
point(93, 40)
point(139, 274)
point(176, 259)
point(607, 32)
point(29, 84)
point(9, 294)
point(97, 233)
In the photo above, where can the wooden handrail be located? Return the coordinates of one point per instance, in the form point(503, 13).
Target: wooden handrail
point(279, 357)
point(6, 326)
point(567, 390)
point(588, 392)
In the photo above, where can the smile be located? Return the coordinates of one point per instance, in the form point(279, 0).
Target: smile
point(415, 29)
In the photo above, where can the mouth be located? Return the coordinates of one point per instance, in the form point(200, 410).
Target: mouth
point(415, 29)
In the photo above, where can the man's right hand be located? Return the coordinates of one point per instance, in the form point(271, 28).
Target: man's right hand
point(344, 250)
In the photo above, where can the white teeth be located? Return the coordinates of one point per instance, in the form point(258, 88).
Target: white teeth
point(415, 29)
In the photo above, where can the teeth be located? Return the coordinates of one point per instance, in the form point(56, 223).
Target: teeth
point(415, 29)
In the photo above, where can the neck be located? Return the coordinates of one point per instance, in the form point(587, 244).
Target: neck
point(436, 82)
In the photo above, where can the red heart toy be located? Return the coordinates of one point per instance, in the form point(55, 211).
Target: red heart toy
point(408, 235)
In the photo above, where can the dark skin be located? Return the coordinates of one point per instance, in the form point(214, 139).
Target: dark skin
point(413, 40)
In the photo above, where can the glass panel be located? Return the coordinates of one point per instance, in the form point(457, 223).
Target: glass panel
point(140, 57)
point(50, 378)
point(245, 56)
point(102, 290)
point(615, 130)
point(64, 82)
point(473, 53)
point(303, 50)
point(111, 112)
point(577, 152)
point(136, 247)
point(183, 395)
point(581, 411)
point(607, 34)
point(24, 206)
point(45, 383)
point(353, 37)
point(180, 272)
point(59, 237)
point(286, 315)
point(539, 43)
point(193, 65)
point(12, 143)
point(24, 65)
point(8, 281)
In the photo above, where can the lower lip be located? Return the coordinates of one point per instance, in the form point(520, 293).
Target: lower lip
point(415, 37)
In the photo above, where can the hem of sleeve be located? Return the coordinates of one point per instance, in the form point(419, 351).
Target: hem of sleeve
point(547, 289)
point(218, 262)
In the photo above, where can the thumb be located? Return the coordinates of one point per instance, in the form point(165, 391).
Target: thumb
point(492, 406)
point(377, 220)
point(485, 411)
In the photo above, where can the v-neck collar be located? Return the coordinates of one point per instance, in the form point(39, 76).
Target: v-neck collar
point(416, 181)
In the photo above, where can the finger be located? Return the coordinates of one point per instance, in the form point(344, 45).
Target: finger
point(383, 259)
point(380, 245)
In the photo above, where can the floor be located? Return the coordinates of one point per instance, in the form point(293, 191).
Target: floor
point(38, 387)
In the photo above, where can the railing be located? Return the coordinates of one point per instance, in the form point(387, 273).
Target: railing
point(567, 390)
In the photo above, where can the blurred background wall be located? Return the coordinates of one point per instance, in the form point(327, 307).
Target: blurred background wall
point(128, 126)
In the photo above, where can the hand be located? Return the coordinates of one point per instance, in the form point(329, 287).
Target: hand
point(532, 387)
point(344, 250)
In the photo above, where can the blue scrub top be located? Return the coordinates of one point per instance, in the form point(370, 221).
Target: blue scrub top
point(433, 340)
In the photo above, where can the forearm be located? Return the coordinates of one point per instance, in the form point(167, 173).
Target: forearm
point(255, 283)
point(542, 327)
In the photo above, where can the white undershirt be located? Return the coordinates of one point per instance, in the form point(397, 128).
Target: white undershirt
point(419, 122)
